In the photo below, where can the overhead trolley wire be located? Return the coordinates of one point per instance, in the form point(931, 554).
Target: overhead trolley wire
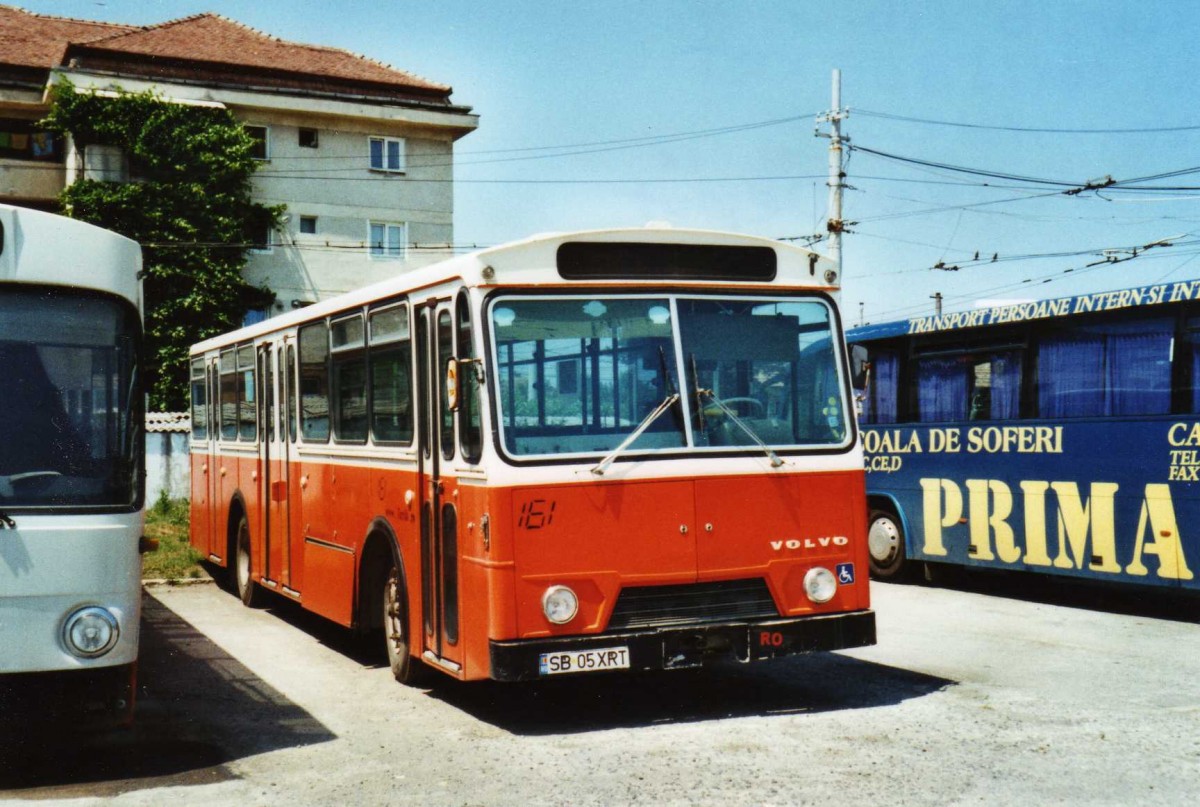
point(1029, 129)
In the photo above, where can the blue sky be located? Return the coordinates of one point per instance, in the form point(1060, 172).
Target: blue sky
point(547, 74)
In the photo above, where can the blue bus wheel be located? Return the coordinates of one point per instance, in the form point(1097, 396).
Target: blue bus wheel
point(885, 545)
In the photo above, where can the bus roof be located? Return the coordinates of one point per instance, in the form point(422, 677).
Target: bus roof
point(533, 261)
point(1138, 296)
point(39, 247)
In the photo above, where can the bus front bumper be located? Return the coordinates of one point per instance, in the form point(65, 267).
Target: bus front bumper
point(680, 647)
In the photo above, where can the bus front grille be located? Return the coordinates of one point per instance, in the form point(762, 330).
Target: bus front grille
point(692, 604)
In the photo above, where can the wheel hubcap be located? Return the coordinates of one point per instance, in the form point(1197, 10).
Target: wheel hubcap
point(243, 566)
point(883, 540)
point(391, 616)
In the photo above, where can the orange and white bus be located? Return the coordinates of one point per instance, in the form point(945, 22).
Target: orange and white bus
point(623, 449)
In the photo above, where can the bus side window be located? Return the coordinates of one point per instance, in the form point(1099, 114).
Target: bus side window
point(969, 386)
point(942, 389)
point(1188, 354)
point(470, 428)
point(349, 364)
point(229, 395)
point(291, 392)
point(1118, 368)
point(390, 356)
point(445, 350)
point(247, 416)
point(314, 382)
point(996, 386)
point(880, 406)
point(199, 402)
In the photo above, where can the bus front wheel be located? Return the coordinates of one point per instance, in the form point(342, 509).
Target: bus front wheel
point(405, 668)
point(885, 543)
point(246, 589)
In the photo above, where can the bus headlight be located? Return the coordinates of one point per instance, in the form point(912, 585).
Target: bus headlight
point(90, 632)
point(560, 604)
point(819, 584)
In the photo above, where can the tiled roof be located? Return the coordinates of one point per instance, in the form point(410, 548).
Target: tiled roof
point(34, 40)
point(215, 39)
point(211, 43)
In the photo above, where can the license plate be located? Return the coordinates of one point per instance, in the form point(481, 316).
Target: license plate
point(576, 661)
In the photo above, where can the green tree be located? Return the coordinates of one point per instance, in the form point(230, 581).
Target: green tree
point(188, 204)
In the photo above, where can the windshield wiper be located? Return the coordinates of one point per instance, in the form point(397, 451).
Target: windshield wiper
point(667, 403)
point(775, 461)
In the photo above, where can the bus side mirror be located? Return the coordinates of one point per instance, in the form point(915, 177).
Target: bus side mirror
point(452, 384)
point(859, 367)
point(471, 369)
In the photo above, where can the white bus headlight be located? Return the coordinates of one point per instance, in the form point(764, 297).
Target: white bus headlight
point(90, 632)
point(819, 584)
point(560, 604)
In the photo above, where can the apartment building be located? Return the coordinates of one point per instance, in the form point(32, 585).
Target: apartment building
point(360, 153)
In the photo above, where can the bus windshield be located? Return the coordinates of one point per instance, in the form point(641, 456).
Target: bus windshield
point(578, 375)
point(68, 434)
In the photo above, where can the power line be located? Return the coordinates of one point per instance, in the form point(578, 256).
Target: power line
point(946, 208)
point(963, 169)
point(644, 181)
point(631, 142)
point(1030, 129)
point(905, 312)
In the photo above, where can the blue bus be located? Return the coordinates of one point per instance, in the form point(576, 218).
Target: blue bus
point(1060, 436)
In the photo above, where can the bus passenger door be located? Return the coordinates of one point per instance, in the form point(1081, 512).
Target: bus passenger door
point(273, 455)
point(439, 513)
point(281, 493)
point(213, 527)
point(201, 447)
point(266, 458)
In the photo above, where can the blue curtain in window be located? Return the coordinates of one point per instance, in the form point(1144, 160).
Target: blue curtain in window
point(1071, 376)
point(881, 400)
point(1006, 386)
point(1195, 373)
point(942, 390)
point(1139, 373)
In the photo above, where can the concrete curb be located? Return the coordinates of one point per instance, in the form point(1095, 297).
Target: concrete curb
point(187, 581)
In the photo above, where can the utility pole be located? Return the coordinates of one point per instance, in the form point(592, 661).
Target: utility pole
point(937, 302)
point(834, 225)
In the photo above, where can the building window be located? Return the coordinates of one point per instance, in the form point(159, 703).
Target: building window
point(262, 240)
point(387, 241)
point(308, 225)
point(387, 154)
point(23, 140)
point(259, 134)
point(308, 138)
point(105, 163)
point(254, 316)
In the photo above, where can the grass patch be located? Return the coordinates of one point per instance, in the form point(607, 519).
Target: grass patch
point(167, 523)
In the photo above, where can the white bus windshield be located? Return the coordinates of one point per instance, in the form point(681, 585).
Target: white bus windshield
point(578, 375)
point(67, 433)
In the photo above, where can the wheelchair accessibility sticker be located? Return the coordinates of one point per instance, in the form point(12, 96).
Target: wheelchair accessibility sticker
point(845, 573)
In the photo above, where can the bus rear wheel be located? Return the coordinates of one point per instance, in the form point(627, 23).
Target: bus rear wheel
point(405, 668)
point(885, 545)
point(247, 591)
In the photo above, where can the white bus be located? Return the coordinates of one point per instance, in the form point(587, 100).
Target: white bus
point(71, 478)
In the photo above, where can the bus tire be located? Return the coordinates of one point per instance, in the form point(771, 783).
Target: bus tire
point(247, 589)
point(405, 668)
point(885, 545)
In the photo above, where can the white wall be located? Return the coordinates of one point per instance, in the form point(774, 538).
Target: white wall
point(167, 466)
